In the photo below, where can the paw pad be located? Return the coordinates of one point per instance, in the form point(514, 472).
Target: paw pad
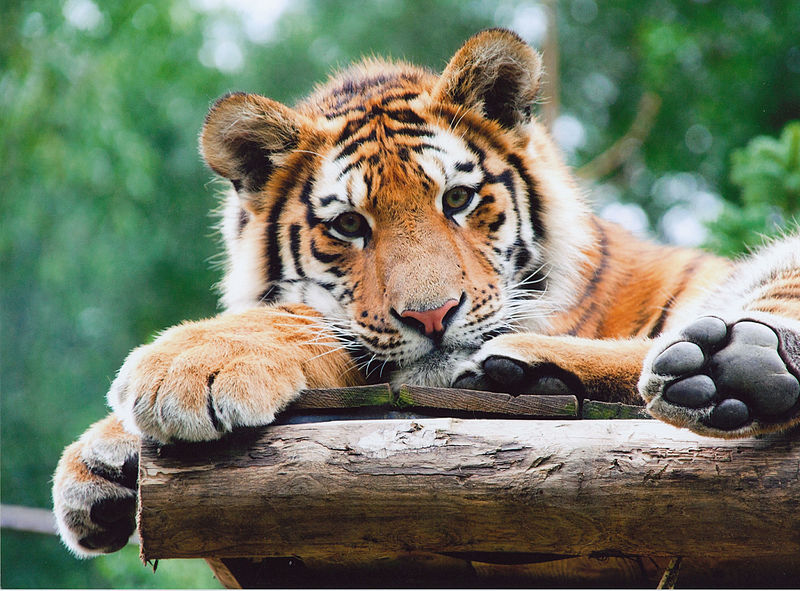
point(737, 373)
point(682, 357)
point(693, 392)
point(498, 373)
point(504, 370)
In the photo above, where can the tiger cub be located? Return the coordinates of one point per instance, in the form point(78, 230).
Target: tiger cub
point(402, 226)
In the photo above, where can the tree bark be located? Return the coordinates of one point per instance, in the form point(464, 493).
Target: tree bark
point(349, 491)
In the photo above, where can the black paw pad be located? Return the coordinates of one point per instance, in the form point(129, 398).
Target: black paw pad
point(471, 381)
point(729, 414)
point(708, 331)
point(751, 367)
point(511, 376)
point(693, 392)
point(105, 541)
point(680, 358)
point(115, 520)
point(113, 513)
point(504, 370)
point(737, 373)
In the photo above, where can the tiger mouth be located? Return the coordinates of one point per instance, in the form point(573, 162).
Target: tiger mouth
point(381, 365)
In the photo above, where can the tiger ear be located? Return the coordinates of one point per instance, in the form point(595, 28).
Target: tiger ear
point(496, 73)
point(246, 136)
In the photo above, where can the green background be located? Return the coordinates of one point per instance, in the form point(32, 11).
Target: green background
point(105, 236)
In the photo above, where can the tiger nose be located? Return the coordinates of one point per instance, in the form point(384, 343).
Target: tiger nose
point(431, 323)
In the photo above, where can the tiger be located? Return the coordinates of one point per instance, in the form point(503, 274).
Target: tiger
point(403, 226)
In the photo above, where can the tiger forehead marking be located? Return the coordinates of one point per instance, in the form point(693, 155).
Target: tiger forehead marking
point(391, 174)
point(404, 206)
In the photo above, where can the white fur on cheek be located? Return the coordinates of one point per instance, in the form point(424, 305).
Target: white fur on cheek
point(243, 282)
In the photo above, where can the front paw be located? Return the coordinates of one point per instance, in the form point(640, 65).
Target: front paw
point(197, 383)
point(723, 379)
point(94, 490)
point(505, 373)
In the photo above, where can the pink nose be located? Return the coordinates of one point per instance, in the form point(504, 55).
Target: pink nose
point(431, 320)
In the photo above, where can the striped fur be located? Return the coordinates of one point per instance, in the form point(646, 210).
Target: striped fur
point(407, 227)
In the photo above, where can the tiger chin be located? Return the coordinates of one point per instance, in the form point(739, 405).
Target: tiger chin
point(403, 226)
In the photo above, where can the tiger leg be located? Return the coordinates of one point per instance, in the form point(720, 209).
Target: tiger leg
point(195, 382)
point(529, 363)
point(735, 371)
point(94, 489)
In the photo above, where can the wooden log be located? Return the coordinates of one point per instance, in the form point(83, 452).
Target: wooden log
point(347, 491)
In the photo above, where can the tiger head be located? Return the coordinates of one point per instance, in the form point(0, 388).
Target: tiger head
point(420, 214)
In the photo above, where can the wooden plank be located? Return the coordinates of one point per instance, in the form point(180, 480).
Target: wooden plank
point(594, 409)
point(333, 402)
point(409, 397)
point(343, 398)
point(224, 573)
point(346, 491)
point(486, 402)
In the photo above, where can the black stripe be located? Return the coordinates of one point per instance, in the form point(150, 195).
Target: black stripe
point(355, 163)
point(406, 96)
point(406, 116)
point(274, 266)
point(479, 153)
point(534, 200)
point(522, 257)
point(212, 413)
point(465, 166)
point(305, 197)
point(687, 273)
point(408, 131)
point(351, 128)
point(591, 286)
point(368, 185)
point(345, 111)
point(294, 246)
point(536, 281)
point(348, 149)
point(419, 148)
point(495, 225)
point(322, 256)
point(271, 295)
point(327, 200)
point(507, 180)
point(244, 217)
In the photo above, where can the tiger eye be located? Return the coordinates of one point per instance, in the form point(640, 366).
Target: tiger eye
point(456, 199)
point(350, 224)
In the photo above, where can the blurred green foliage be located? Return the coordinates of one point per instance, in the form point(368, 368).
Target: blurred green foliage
point(105, 236)
point(767, 171)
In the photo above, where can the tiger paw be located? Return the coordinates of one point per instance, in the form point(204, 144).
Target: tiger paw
point(500, 373)
point(195, 383)
point(200, 380)
point(725, 379)
point(94, 490)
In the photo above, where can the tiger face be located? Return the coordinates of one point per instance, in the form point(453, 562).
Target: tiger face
point(421, 215)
